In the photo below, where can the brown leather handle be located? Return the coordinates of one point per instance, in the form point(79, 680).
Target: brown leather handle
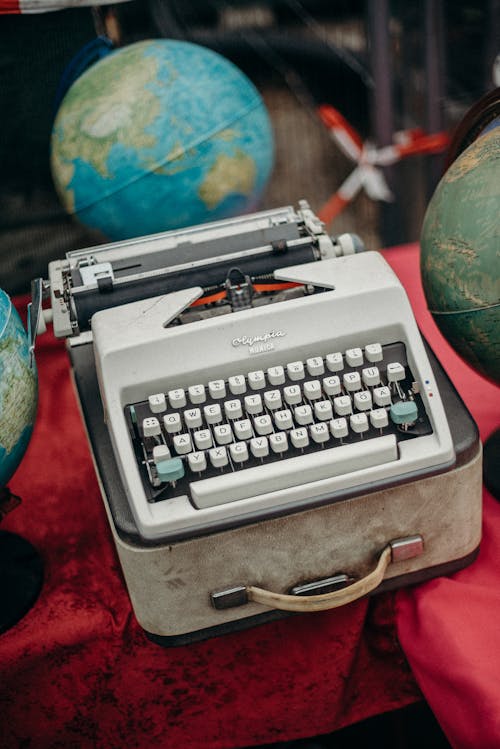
point(324, 601)
point(396, 550)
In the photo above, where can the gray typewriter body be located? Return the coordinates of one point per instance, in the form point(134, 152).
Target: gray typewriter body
point(265, 419)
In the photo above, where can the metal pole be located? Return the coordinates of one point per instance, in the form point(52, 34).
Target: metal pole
point(383, 126)
point(435, 77)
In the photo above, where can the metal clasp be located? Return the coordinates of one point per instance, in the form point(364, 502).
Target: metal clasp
point(229, 598)
point(406, 548)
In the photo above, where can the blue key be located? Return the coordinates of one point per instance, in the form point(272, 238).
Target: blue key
point(404, 412)
point(171, 469)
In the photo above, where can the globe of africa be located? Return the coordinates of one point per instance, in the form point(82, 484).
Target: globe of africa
point(460, 255)
point(18, 390)
point(158, 135)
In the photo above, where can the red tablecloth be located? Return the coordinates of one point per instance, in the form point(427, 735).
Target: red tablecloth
point(449, 628)
point(78, 671)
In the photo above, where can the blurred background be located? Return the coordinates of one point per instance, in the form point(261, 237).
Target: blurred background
point(385, 66)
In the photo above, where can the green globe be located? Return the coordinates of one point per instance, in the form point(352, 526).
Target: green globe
point(460, 255)
point(159, 135)
point(18, 390)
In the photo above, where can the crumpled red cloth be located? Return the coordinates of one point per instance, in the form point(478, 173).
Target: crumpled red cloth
point(78, 671)
point(449, 627)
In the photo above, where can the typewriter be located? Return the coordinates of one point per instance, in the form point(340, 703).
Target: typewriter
point(245, 370)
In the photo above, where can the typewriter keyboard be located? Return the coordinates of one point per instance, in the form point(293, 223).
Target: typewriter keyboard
point(264, 430)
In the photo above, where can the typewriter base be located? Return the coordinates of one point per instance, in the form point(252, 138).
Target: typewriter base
point(254, 621)
point(170, 584)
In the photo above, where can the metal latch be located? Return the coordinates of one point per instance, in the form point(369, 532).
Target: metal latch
point(229, 598)
point(325, 585)
point(406, 548)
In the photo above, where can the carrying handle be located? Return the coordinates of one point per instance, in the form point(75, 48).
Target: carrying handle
point(324, 601)
point(396, 550)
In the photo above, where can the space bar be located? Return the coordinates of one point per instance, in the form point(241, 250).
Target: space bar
point(302, 469)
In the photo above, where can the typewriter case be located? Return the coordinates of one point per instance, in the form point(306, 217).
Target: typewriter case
point(317, 554)
point(175, 587)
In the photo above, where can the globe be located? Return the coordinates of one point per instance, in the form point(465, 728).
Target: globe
point(18, 390)
point(460, 254)
point(159, 135)
point(21, 566)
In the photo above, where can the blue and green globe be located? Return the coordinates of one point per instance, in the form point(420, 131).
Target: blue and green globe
point(460, 255)
point(18, 390)
point(159, 135)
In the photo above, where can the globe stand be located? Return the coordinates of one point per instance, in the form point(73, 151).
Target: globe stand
point(491, 463)
point(21, 573)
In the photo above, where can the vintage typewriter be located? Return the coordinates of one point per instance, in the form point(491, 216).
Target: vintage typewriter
point(236, 377)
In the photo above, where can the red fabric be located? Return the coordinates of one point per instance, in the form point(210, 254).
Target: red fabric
point(14, 7)
point(78, 671)
point(450, 627)
point(9, 7)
